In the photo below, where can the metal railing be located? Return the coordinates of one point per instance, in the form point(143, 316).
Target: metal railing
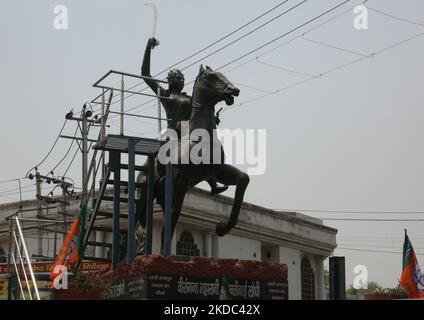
point(97, 160)
point(122, 90)
point(20, 243)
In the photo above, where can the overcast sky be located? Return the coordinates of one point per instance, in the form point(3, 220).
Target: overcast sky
point(351, 140)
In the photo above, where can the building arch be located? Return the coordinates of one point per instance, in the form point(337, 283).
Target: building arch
point(186, 246)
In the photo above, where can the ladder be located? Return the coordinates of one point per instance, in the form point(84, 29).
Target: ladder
point(116, 145)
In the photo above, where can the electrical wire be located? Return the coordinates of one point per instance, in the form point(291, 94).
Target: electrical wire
point(395, 17)
point(331, 70)
point(287, 70)
point(51, 149)
point(363, 56)
point(246, 34)
point(251, 87)
point(320, 25)
point(11, 191)
point(214, 52)
point(71, 162)
point(284, 34)
point(67, 152)
point(11, 180)
point(9, 198)
point(336, 47)
point(350, 211)
point(297, 37)
point(203, 49)
point(268, 43)
point(376, 237)
point(372, 220)
point(373, 246)
point(375, 251)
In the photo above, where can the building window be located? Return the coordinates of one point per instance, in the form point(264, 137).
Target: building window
point(308, 280)
point(186, 245)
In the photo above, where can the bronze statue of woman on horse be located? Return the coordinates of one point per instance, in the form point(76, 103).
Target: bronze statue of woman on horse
point(199, 110)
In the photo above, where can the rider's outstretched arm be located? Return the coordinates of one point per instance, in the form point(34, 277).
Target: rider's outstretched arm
point(145, 67)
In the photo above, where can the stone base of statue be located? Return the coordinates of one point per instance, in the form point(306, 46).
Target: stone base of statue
point(180, 278)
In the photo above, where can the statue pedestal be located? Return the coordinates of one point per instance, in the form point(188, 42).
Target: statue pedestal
point(193, 278)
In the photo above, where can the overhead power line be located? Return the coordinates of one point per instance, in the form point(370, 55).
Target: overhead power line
point(228, 35)
point(51, 149)
point(329, 71)
point(268, 43)
point(336, 47)
point(246, 34)
point(16, 190)
point(146, 104)
point(396, 17)
point(204, 49)
point(214, 52)
point(71, 162)
point(300, 35)
point(351, 211)
point(72, 159)
point(262, 46)
point(284, 69)
point(373, 246)
point(376, 237)
point(284, 35)
point(376, 251)
point(358, 241)
point(11, 180)
point(372, 220)
point(67, 152)
point(9, 198)
point(362, 56)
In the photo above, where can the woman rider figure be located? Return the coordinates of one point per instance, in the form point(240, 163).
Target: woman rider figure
point(177, 104)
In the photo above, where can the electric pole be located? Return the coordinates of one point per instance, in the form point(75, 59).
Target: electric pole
point(84, 137)
point(38, 182)
point(83, 122)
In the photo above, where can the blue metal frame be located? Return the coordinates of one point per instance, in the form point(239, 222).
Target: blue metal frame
point(131, 201)
point(168, 210)
point(116, 145)
point(115, 165)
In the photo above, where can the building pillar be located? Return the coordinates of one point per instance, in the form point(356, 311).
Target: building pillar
point(214, 246)
point(319, 278)
point(174, 241)
point(292, 258)
point(207, 244)
point(99, 251)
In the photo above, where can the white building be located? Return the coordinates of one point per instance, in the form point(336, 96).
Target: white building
point(301, 242)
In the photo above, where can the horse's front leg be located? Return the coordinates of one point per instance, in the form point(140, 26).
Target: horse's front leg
point(230, 175)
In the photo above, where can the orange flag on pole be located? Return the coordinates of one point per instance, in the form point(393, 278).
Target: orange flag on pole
point(71, 250)
point(412, 279)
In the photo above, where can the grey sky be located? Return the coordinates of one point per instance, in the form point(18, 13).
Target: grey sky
point(351, 140)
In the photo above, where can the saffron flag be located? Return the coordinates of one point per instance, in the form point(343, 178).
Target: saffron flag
point(412, 279)
point(72, 248)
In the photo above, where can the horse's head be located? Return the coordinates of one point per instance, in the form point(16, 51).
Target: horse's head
point(214, 87)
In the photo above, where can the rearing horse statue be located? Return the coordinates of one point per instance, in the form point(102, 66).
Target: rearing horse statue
point(209, 88)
